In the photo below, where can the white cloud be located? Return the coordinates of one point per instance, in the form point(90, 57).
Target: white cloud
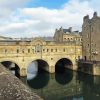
point(8, 6)
point(12, 3)
point(30, 22)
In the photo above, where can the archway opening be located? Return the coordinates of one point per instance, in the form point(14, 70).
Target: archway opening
point(37, 72)
point(37, 66)
point(13, 67)
point(63, 74)
point(62, 65)
point(42, 65)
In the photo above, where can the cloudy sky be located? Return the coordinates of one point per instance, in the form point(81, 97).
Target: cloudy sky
point(30, 18)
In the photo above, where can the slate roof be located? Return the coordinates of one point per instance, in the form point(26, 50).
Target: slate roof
point(66, 30)
point(48, 38)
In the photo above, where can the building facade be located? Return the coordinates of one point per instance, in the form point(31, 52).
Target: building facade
point(91, 38)
point(64, 44)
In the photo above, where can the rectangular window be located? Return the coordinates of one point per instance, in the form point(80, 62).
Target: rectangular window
point(5, 50)
point(17, 50)
point(28, 50)
point(64, 50)
point(47, 50)
point(51, 50)
point(43, 50)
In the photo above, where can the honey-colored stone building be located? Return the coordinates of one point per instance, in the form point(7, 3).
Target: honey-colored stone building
point(65, 45)
point(91, 38)
point(90, 45)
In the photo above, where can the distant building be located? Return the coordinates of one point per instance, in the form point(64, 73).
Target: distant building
point(5, 38)
point(67, 35)
point(91, 38)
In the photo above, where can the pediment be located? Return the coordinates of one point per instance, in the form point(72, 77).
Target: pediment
point(38, 41)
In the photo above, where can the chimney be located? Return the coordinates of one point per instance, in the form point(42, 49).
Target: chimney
point(95, 14)
point(70, 29)
point(56, 30)
point(61, 29)
point(86, 18)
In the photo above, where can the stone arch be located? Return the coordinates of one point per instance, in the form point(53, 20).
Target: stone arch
point(44, 62)
point(63, 63)
point(35, 78)
point(13, 66)
point(11, 60)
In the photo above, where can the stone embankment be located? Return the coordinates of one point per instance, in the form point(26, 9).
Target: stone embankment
point(11, 88)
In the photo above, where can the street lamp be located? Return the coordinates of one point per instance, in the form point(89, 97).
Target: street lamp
point(95, 53)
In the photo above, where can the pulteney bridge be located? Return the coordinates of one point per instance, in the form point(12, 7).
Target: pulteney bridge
point(48, 52)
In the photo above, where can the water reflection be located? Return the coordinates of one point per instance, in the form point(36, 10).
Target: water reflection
point(90, 86)
point(66, 86)
point(55, 86)
point(40, 81)
point(65, 77)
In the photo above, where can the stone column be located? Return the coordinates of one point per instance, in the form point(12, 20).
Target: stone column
point(23, 72)
point(51, 69)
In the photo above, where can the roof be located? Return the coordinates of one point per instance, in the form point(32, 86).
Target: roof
point(66, 30)
point(48, 38)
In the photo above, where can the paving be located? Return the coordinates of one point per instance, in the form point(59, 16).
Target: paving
point(11, 88)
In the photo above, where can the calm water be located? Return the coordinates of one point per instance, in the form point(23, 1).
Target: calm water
point(65, 86)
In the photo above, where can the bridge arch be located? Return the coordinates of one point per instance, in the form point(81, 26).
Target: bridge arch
point(38, 64)
point(40, 75)
point(13, 66)
point(11, 60)
point(62, 64)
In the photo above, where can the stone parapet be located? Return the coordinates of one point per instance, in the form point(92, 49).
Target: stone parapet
point(11, 88)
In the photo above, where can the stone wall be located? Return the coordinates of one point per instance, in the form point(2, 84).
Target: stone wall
point(11, 88)
point(90, 37)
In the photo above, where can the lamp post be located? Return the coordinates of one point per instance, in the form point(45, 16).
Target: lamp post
point(95, 53)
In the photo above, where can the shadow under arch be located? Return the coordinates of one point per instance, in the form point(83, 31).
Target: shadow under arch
point(64, 78)
point(40, 64)
point(40, 74)
point(12, 66)
point(62, 64)
point(63, 74)
point(40, 81)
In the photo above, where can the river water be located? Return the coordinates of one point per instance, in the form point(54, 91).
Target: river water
point(69, 85)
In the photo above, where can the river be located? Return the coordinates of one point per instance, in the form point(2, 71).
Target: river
point(69, 85)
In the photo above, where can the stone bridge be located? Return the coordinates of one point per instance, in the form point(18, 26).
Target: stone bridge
point(46, 53)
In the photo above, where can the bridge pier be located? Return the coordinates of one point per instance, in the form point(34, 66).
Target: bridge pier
point(51, 69)
point(75, 66)
point(23, 72)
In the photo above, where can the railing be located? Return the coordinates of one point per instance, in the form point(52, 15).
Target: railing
point(88, 61)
